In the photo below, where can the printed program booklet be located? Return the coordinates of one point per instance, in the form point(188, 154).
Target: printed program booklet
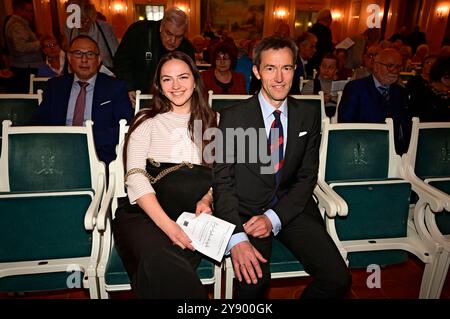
point(209, 234)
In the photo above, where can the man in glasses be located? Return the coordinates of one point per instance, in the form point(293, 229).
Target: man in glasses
point(144, 43)
point(86, 94)
point(374, 98)
point(368, 62)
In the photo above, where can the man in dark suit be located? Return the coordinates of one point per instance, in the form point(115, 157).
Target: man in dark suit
point(144, 43)
point(105, 100)
point(374, 98)
point(306, 48)
point(277, 202)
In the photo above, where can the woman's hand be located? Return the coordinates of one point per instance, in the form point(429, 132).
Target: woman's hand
point(177, 235)
point(203, 206)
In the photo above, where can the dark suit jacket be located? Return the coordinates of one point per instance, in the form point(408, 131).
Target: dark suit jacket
point(241, 191)
point(139, 52)
point(106, 116)
point(299, 71)
point(362, 103)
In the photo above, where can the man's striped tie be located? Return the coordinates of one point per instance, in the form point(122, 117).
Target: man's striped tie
point(276, 146)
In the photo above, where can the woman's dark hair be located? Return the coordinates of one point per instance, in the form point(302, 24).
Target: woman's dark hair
point(200, 109)
point(440, 68)
point(228, 47)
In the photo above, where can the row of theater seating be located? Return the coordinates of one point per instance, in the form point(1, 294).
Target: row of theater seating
point(56, 208)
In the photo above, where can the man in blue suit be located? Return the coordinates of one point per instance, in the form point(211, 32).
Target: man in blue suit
point(306, 43)
point(87, 95)
point(374, 98)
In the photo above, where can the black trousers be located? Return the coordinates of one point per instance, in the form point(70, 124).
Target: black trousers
point(306, 237)
point(157, 268)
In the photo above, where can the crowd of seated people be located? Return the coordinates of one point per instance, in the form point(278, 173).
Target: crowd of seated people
point(226, 63)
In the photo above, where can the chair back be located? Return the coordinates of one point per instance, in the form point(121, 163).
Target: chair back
point(142, 101)
point(19, 108)
point(334, 118)
point(432, 153)
point(46, 159)
point(318, 99)
point(37, 83)
point(219, 101)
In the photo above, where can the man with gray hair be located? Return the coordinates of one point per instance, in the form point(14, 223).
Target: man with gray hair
point(144, 43)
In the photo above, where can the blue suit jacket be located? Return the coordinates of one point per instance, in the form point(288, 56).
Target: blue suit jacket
point(299, 71)
point(106, 116)
point(362, 103)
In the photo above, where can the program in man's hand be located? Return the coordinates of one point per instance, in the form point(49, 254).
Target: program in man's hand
point(209, 234)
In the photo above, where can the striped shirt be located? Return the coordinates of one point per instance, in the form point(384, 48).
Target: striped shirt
point(165, 138)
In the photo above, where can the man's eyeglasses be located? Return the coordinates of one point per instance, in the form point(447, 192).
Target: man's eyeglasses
point(51, 45)
point(391, 67)
point(90, 55)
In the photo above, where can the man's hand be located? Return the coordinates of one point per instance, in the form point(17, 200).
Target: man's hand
point(246, 262)
point(132, 96)
point(258, 226)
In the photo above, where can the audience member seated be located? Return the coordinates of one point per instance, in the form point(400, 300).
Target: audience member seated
point(420, 89)
point(368, 61)
point(327, 74)
point(374, 98)
point(283, 30)
point(421, 52)
point(201, 54)
point(86, 94)
point(244, 62)
point(23, 45)
point(437, 107)
point(220, 78)
point(157, 254)
point(55, 58)
point(306, 43)
point(406, 53)
point(342, 73)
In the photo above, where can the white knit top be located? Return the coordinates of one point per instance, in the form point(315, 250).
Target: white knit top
point(165, 138)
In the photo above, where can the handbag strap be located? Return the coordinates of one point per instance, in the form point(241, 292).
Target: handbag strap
point(161, 174)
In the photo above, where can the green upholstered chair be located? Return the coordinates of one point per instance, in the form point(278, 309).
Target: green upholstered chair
point(318, 99)
point(427, 167)
point(19, 108)
point(219, 101)
point(111, 272)
point(37, 83)
point(142, 101)
point(51, 187)
point(360, 172)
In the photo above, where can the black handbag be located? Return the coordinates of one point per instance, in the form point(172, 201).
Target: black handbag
point(178, 187)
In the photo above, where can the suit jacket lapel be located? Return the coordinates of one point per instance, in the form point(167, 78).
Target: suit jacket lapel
point(255, 120)
point(66, 88)
point(294, 116)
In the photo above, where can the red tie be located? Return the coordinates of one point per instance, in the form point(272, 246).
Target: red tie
point(276, 147)
point(78, 114)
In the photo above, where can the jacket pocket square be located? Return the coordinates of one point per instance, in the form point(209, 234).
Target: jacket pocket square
point(106, 102)
point(303, 133)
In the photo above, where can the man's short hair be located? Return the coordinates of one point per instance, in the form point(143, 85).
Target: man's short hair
point(275, 43)
point(176, 16)
point(83, 36)
point(304, 37)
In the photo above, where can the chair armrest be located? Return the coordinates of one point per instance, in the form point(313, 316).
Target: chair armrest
point(426, 192)
point(341, 204)
point(92, 211)
point(326, 202)
point(106, 203)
